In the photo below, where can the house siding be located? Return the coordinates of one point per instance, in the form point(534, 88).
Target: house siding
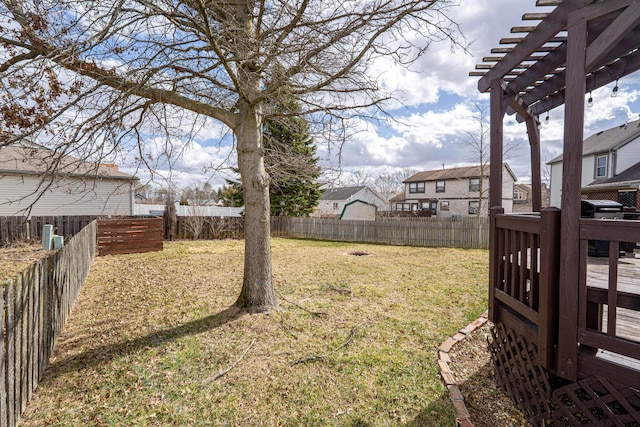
point(627, 156)
point(457, 195)
point(67, 196)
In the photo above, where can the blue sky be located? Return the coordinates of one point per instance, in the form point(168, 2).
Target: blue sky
point(437, 97)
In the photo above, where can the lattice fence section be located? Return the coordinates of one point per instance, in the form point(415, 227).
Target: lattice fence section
point(596, 401)
point(520, 376)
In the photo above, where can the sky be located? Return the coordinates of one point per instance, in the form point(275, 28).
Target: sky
point(432, 119)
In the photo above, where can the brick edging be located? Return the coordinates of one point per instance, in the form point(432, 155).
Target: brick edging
point(463, 418)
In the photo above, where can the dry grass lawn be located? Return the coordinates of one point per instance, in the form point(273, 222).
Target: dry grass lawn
point(354, 343)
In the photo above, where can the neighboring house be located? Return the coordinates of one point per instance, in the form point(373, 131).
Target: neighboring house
point(31, 184)
point(359, 210)
point(522, 197)
point(453, 192)
point(333, 200)
point(610, 167)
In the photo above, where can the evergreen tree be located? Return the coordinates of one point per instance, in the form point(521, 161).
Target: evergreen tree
point(290, 161)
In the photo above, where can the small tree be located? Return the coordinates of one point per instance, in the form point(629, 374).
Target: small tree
point(290, 161)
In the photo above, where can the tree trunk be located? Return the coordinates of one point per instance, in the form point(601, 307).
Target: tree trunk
point(257, 293)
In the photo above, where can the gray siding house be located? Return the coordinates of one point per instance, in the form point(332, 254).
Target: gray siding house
point(461, 191)
point(36, 181)
point(610, 166)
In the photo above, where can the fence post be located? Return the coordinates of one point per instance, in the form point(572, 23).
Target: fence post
point(549, 286)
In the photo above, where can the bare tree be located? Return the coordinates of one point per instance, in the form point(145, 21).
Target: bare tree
point(96, 78)
point(477, 143)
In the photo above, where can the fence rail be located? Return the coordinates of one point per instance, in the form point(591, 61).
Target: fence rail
point(35, 305)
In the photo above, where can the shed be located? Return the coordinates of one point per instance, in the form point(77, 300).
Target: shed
point(359, 210)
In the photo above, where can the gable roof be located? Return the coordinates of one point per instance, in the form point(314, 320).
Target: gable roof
point(341, 193)
point(34, 159)
point(607, 140)
point(453, 173)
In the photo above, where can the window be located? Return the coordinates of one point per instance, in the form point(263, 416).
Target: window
point(440, 186)
point(601, 167)
point(474, 184)
point(416, 187)
point(444, 205)
point(335, 206)
point(473, 207)
point(518, 195)
point(431, 207)
point(403, 206)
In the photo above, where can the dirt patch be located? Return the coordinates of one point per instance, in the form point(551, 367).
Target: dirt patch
point(359, 253)
point(488, 406)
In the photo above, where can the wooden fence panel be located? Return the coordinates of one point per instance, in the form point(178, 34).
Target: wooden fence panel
point(208, 227)
point(427, 232)
point(126, 236)
point(33, 308)
point(13, 229)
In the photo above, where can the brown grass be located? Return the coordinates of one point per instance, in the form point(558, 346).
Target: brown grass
point(150, 333)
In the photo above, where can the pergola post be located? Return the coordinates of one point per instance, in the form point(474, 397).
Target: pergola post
point(497, 110)
point(571, 189)
point(536, 175)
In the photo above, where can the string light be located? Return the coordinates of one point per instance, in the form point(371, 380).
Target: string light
point(546, 119)
point(614, 93)
point(590, 100)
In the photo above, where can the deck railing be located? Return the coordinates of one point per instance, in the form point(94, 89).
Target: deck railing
point(523, 293)
point(609, 301)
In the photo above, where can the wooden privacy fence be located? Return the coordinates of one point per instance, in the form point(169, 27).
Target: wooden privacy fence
point(428, 232)
point(207, 228)
point(35, 307)
point(127, 236)
point(21, 229)
point(12, 229)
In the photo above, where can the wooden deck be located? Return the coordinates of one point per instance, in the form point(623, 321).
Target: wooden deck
point(628, 321)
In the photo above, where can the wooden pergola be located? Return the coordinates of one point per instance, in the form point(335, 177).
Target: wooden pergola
point(580, 46)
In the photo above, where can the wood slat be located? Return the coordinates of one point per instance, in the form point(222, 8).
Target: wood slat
point(122, 236)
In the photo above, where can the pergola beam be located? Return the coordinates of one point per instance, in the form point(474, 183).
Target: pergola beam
point(547, 29)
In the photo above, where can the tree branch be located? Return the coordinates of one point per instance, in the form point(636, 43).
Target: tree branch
point(325, 355)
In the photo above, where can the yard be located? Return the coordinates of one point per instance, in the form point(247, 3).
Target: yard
point(152, 343)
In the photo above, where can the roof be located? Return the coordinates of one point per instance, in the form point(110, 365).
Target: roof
point(533, 67)
point(453, 173)
point(341, 193)
point(607, 140)
point(524, 187)
point(628, 178)
point(33, 159)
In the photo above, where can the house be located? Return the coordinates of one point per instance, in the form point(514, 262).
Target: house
point(334, 200)
point(521, 197)
point(610, 167)
point(450, 192)
point(36, 181)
